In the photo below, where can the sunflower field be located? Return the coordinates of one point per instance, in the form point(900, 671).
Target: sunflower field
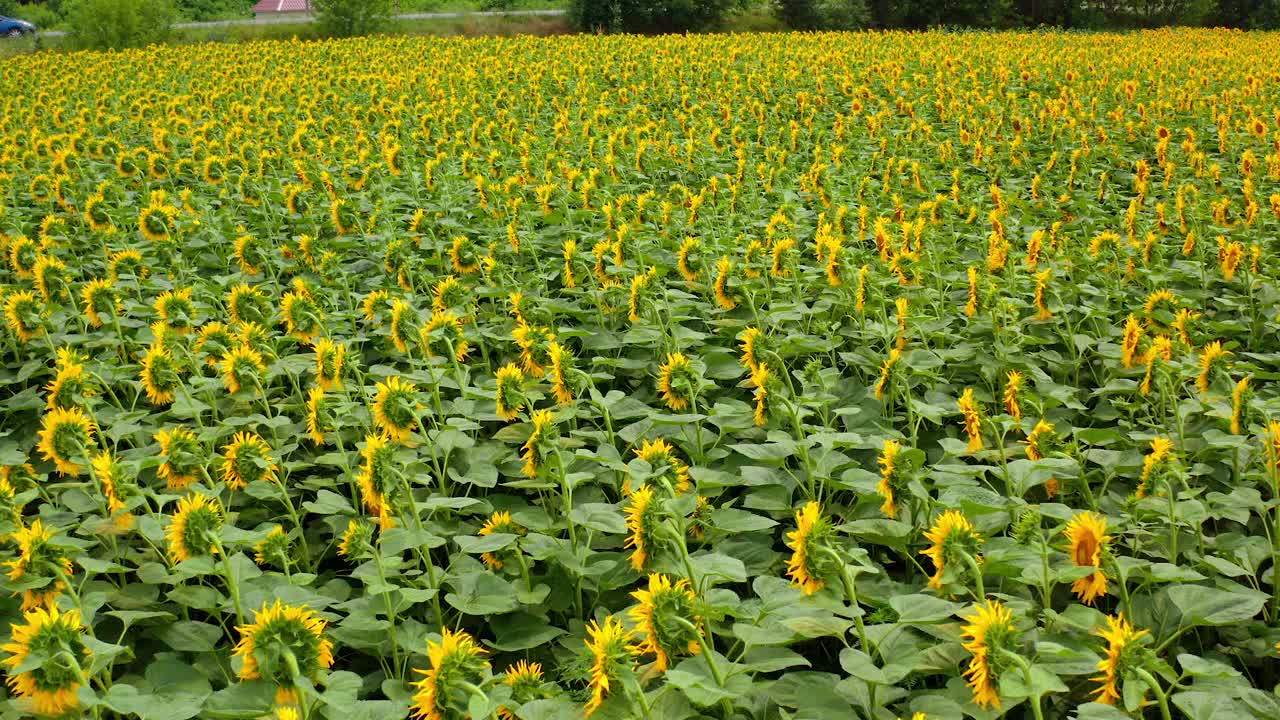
point(919, 375)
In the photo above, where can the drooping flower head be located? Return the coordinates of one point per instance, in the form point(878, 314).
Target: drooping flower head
point(356, 540)
point(498, 523)
point(56, 641)
point(561, 363)
point(886, 369)
point(330, 360)
point(972, 415)
point(395, 406)
point(247, 459)
point(1161, 350)
point(38, 557)
point(274, 549)
point(1209, 357)
point(657, 618)
point(610, 657)
point(541, 442)
point(24, 314)
point(242, 368)
point(890, 477)
point(378, 478)
point(1239, 405)
point(1155, 464)
point(1087, 538)
point(403, 325)
point(676, 382)
point(303, 317)
point(724, 272)
point(182, 457)
point(446, 329)
point(644, 513)
point(212, 342)
point(661, 456)
point(454, 663)
point(320, 419)
point(66, 437)
point(527, 685)
point(1123, 655)
point(990, 630)
point(508, 392)
point(808, 565)
point(248, 304)
point(176, 309)
point(1041, 440)
point(760, 379)
point(159, 375)
point(193, 528)
point(69, 386)
point(100, 301)
point(280, 639)
point(1012, 391)
point(1129, 343)
point(951, 535)
point(113, 482)
point(533, 342)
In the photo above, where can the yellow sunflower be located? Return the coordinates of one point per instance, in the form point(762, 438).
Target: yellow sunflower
point(610, 656)
point(1122, 649)
point(247, 459)
point(55, 641)
point(1087, 537)
point(990, 629)
point(454, 663)
point(395, 404)
point(806, 566)
point(66, 436)
point(657, 616)
point(193, 527)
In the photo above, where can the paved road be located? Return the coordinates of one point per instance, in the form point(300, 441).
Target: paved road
point(303, 18)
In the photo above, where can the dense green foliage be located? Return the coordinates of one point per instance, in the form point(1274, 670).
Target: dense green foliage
point(102, 24)
point(349, 18)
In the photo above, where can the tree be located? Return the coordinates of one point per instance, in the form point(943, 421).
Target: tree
point(110, 24)
point(347, 18)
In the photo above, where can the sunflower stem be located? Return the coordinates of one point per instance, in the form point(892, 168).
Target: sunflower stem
point(1161, 697)
point(976, 572)
point(232, 586)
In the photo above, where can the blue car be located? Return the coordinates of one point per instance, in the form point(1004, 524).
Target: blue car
point(12, 27)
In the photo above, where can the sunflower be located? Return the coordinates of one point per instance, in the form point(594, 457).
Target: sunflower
point(447, 293)
point(1161, 349)
point(760, 379)
point(533, 452)
point(111, 477)
point(888, 462)
point(50, 278)
point(374, 304)
point(638, 285)
point(330, 359)
point(1012, 390)
point(193, 528)
point(455, 663)
point(403, 322)
point(644, 516)
point(1087, 537)
point(567, 251)
point(498, 522)
point(68, 386)
point(213, 341)
point(23, 254)
point(687, 246)
point(241, 368)
point(807, 565)
point(23, 314)
point(1040, 440)
point(39, 558)
point(176, 309)
point(902, 306)
point(989, 631)
point(526, 683)
point(658, 617)
point(507, 392)
point(283, 640)
point(302, 316)
point(247, 459)
point(356, 539)
point(560, 362)
point(248, 254)
point(1209, 357)
point(1122, 655)
point(273, 549)
point(951, 534)
point(1181, 320)
point(159, 375)
point(1129, 344)
point(99, 298)
point(66, 434)
point(610, 657)
point(661, 456)
point(751, 341)
point(724, 271)
point(44, 655)
point(377, 477)
point(895, 354)
point(246, 304)
point(182, 457)
point(972, 413)
point(394, 410)
point(447, 326)
point(676, 382)
point(533, 342)
point(319, 415)
point(1239, 405)
point(1153, 464)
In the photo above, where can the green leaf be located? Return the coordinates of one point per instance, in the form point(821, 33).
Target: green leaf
point(191, 636)
point(923, 609)
point(601, 517)
point(1210, 606)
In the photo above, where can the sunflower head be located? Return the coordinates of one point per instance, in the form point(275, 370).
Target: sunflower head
point(69, 387)
point(66, 435)
point(194, 527)
point(377, 477)
point(1041, 441)
point(183, 457)
point(395, 406)
point(115, 484)
point(160, 375)
point(24, 314)
point(403, 325)
point(213, 341)
point(39, 559)
point(273, 549)
point(1087, 540)
point(990, 632)
point(448, 293)
point(283, 639)
point(1157, 465)
point(667, 619)
point(499, 523)
point(242, 368)
point(527, 684)
point(303, 318)
point(668, 470)
point(542, 442)
point(609, 651)
point(356, 540)
point(560, 370)
point(454, 663)
point(444, 329)
point(50, 275)
point(533, 342)
point(508, 392)
point(1124, 653)
point(952, 537)
point(246, 304)
point(677, 382)
point(320, 418)
point(753, 347)
point(247, 459)
point(330, 359)
point(45, 651)
point(176, 309)
point(100, 300)
point(971, 413)
point(809, 564)
point(645, 512)
point(891, 477)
